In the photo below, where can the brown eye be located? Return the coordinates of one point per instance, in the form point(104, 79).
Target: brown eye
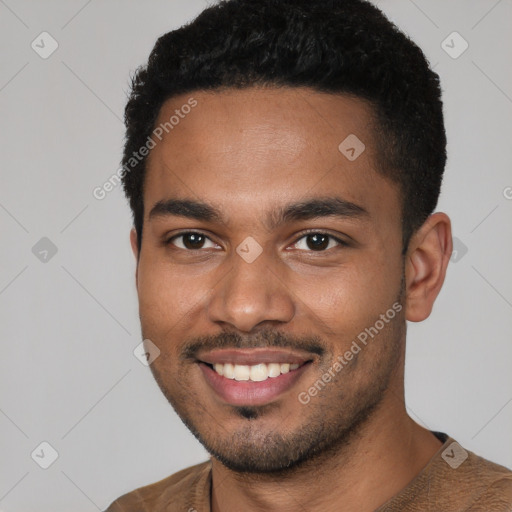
point(319, 242)
point(191, 241)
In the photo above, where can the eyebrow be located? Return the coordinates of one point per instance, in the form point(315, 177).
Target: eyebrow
point(303, 210)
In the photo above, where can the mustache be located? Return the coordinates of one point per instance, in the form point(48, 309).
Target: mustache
point(262, 339)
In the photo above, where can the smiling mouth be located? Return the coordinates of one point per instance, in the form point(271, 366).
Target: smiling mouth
point(253, 376)
point(237, 387)
point(253, 373)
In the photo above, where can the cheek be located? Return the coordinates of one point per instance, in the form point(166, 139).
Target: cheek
point(347, 296)
point(172, 304)
point(165, 295)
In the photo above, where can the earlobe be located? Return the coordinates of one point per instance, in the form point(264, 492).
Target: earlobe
point(135, 249)
point(427, 259)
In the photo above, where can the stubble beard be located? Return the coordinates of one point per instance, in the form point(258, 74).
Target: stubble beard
point(333, 422)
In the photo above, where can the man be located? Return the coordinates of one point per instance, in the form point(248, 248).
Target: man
point(283, 161)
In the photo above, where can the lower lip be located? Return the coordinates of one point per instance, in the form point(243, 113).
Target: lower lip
point(247, 392)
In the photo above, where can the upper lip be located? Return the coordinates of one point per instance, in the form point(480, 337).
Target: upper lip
point(253, 356)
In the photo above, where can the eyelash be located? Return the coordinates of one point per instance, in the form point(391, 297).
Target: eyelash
point(303, 235)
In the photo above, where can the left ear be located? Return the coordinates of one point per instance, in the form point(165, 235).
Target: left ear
point(426, 261)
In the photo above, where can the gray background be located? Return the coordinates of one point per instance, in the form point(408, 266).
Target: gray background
point(69, 324)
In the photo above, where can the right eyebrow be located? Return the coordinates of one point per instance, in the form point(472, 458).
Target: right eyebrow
point(186, 208)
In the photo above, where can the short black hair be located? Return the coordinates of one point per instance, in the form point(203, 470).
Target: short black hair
point(334, 46)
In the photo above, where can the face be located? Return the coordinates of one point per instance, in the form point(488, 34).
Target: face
point(270, 255)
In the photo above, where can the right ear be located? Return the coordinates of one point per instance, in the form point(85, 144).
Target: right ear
point(135, 249)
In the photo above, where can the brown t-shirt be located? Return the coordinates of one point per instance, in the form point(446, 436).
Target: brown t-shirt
point(455, 480)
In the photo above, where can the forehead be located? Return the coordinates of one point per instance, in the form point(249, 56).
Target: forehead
point(252, 147)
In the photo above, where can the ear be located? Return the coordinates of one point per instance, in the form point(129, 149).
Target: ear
point(426, 261)
point(135, 249)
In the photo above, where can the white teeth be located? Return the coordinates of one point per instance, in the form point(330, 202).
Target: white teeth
point(242, 372)
point(259, 372)
point(255, 373)
point(228, 371)
point(274, 369)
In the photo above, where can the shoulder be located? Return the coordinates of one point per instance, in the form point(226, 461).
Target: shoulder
point(183, 489)
point(473, 481)
point(492, 486)
point(456, 480)
point(497, 497)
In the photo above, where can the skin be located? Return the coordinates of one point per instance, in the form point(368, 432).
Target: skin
point(247, 152)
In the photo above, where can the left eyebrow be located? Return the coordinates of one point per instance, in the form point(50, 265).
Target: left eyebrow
point(316, 208)
point(303, 210)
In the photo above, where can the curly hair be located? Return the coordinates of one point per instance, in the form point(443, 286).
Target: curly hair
point(335, 46)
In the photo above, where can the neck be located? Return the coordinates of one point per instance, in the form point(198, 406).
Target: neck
point(386, 453)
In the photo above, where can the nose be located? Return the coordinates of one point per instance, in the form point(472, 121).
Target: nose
point(251, 294)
